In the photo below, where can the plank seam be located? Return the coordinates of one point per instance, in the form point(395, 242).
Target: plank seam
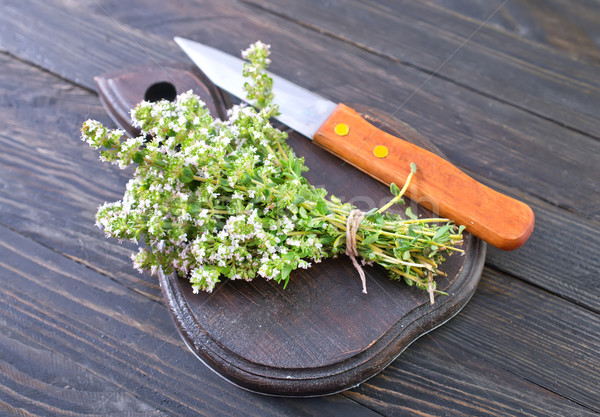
point(47, 71)
point(586, 407)
point(86, 265)
point(572, 300)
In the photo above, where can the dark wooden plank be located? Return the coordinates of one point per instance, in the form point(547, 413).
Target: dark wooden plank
point(534, 334)
point(51, 182)
point(475, 132)
point(571, 27)
point(81, 322)
point(526, 332)
point(531, 153)
point(431, 39)
point(560, 256)
point(107, 349)
point(441, 379)
point(536, 261)
point(127, 46)
point(37, 381)
point(475, 313)
point(547, 259)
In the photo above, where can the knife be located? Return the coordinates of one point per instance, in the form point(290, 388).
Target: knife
point(438, 185)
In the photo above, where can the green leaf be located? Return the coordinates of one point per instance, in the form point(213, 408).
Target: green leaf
point(285, 275)
point(413, 167)
point(306, 194)
point(417, 237)
point(194, 208)
point(298, 199)
point(394, 189)
point(315, 223)
point(245, 179)
point(434, 250)
point(410, 214)
point(289, 256)
point(376, 218)
point(326, 240)
point(138, 157)
point(370, 212)
point(297, 167)
point(461, 229)
point(370, 239)
point(322, 207)
point(159, 161)
point(442, 233)
point(337, 241)
point(186, 175)
point(108, 144)
point(302, 212)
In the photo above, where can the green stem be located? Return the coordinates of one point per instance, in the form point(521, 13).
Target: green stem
point(413, 170)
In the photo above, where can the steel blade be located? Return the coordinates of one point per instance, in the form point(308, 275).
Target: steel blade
point(301, 109)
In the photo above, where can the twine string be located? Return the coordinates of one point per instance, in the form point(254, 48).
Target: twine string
point(352, 224)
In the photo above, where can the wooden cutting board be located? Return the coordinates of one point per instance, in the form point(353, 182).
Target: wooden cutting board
point(321, 334)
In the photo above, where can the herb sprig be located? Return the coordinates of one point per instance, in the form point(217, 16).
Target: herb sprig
point(212, 199)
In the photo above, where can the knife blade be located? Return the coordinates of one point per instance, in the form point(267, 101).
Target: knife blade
point(498, 219)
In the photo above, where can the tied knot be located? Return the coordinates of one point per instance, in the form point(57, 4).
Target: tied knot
point(352, 224)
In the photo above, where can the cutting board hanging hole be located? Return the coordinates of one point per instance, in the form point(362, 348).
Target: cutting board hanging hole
point(163, 90)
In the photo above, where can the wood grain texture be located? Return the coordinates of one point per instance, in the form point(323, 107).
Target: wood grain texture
point(467, 52)
point(311, 339)
point(520, 160)
point(571, 27)
point(561, 341)
point(398, 391)
point(38, 381)
point(83, 322)
point(509, 353)
point(45, 167)
point(105, 343)
point(475, 132)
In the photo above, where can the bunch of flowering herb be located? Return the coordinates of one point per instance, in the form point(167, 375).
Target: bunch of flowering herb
point(212, 199)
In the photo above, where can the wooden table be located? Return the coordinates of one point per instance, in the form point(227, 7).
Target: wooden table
point(508, 90)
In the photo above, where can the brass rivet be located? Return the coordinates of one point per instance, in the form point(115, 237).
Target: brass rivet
point(380, 151)
point(342, 129)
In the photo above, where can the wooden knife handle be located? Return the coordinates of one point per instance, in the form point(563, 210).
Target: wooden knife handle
point(438, 185)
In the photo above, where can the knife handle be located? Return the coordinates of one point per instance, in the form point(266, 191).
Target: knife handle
point(438, 185)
